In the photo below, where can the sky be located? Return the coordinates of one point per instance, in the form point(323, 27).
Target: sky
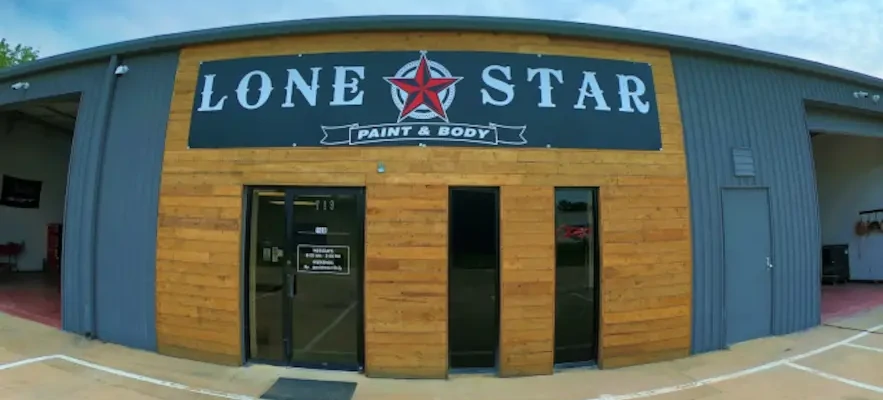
point(843, 33)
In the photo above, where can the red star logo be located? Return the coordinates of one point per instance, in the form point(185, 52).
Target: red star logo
point(423, 89)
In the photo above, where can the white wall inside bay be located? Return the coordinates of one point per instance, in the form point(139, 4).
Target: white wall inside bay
point(29, 151)
point(849, 172)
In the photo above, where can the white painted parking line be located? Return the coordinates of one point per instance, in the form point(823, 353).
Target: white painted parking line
point(847, 381)
point(158, 382)
point(863, 347)
point(330, 327)
point(737, 374)
point(789, 362)
point(21, 363)
point(583, 298)
point(124, 374)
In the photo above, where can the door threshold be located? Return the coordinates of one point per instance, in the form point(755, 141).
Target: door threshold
point(473, 371)
point(255, 363)
point(575, 365)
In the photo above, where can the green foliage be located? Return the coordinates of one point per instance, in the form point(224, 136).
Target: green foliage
point(13, 55)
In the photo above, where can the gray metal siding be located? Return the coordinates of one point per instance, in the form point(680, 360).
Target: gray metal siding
point(129, 201)
point(839, 123)
point(79, 205)
point(122, 213)
point(724, 106)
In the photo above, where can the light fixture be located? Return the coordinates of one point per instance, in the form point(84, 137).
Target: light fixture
point(121, 70)
point(380, 167)
point(875, 98)
point(21, 86)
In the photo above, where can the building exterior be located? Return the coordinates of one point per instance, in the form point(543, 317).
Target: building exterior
point(691, 157)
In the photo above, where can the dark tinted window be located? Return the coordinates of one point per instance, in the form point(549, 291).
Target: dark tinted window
point(576, 270)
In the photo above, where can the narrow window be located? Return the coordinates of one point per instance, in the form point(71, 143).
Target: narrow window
point(474, 276)
point(576, 276)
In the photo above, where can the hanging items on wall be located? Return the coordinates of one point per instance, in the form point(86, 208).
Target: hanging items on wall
point(874, 226)
point(861, 227)
point(869, 223)
point(20, 193)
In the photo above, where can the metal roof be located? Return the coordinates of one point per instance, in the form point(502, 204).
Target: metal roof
point(436, 23)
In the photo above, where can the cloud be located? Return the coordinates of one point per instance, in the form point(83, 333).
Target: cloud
point(846, 34)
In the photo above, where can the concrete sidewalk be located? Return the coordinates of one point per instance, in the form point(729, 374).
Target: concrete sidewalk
point(825, 363)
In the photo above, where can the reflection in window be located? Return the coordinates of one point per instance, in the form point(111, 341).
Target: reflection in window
point(576, 271)
point(266, 261)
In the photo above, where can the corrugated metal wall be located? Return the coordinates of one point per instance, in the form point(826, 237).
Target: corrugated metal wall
point(120, 224)
point(724, 106)
point(840, 123)
point(129, 200)
point(79, 205)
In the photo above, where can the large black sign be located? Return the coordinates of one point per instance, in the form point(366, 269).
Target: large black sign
point(20, 193)
point(425, 98)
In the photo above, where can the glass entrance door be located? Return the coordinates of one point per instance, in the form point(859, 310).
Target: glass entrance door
point(320, 276)
point(326, 232)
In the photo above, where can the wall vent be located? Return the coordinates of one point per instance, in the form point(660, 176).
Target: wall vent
point(743, 162)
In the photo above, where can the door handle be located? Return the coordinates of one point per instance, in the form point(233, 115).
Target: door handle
point(769, 264)
point(291, 283)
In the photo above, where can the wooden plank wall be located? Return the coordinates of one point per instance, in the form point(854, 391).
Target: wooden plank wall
point(527, 275)
point(645, 249)
point(406, 280)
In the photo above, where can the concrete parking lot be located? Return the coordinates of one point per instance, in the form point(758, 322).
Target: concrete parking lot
point(839, 361)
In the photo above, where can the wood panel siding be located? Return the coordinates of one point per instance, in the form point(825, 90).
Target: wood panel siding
point(406, 281)
point(527, 275)
point(644, 224)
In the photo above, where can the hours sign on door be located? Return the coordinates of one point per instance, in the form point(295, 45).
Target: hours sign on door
point(323, 259)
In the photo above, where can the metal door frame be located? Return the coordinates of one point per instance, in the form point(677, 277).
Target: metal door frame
point(290, 193)
point(723, 261)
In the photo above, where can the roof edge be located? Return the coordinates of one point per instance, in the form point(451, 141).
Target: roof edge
point(436, 23)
